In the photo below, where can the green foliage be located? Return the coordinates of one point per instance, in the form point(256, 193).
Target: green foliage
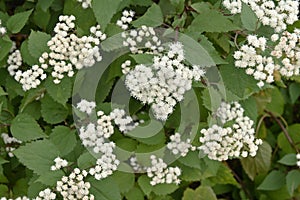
point(274, 180)
point(16, 22)
point(201, 193)
point(249, 19)
point(153, 17)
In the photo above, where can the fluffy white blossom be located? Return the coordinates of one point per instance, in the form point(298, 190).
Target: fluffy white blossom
point(178, 146)
point(86, 106)
point(59, 163)
point(85, 3)
point(298, 159)
point(2, 29)
point(126, 19)
point(159, 172)
point(18, 198)
point(123, 121)
point(223, 143)
point(284, 58)
point(276, 15)
point(163, 83)
point(74, 186)
point(46, 194)
point(10, 143)
point(136, 166)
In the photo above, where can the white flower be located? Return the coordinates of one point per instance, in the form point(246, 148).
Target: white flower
point(177, 146)
point(86, 106)
point(11, 143)
point(2, 29)
point(126, 19)
point(59, 163)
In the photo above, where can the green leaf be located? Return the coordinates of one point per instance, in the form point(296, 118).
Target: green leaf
point(26, 56)
point(277, 103)
point(164, 189)
point(16, 22)
point(124, 180)
point(211, 21)
point(37, 43)
point(2, 92)
point(64, 139)
point(142, 58)
point(53, 112)
point(250, 108)
point(144, 183)
point(105, 189)
point(25, 128)
point(191, 160)
point(294, 91)
point(41, 17)
point(153, 17)
point(293, 181)
point(104, 10)
point(201, 193)
point(274, 180)
point(134, 193)
point(4, 191)
point(224, 176)
point(60, 93)
point(50, 178)
point(86, 160)
point(293, 132)
point(38, 156)
point(289, 160)
point(260, 163)
point(5, 46)
point(45, 4)
point(249, 18)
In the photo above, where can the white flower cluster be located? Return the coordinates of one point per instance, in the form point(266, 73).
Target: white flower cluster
point(284, 57)
point(59, 163)
point(46, 194)
point(143, 40)
point(85, 3)
point(9, 141)
point(74, 186)
point(223, 143)
point(298, 159)
point(123, 121)
point(86, 106)
point(276, 15)
point(18, 198)
point(177, 146)
point(126, 19)
point(2, 29)
point(163, 83)
point(107, 163)
point(67, 51)
point(159, 172)
point(136, 166)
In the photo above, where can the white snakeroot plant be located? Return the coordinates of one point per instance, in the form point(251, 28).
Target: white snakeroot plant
point(160, 173)
point(9, 142)
point(59, 163)
point(74, 186)
point(46, 194)
point(2, 29)
point(223, 143)
point(163, 83)
point(18, 198)
point(86, 106)
point(178, 146)
point(276, 15)
point(126, 19)
point(257, 62)
point(123, 121)
point(85, 3)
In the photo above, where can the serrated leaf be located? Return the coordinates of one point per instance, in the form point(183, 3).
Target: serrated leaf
point(52, 112)
point(293, 181)
point(25, 128)
point(204, 23)
point(273, 181)
point(293, 132)
point(164, 189)
point(191, 160)
point(144, 183)
point(142, 58)
point(134, 193)
point(37, 156)
point(5, 46)
point(124, 180)
point(86, 160)
point(64, 139)
point(224, 176)
point(104, 10)
point(26, 56)
point(105, 189)
point(201, 193)
point(289, 160)
point(249, 18)
point(16, 22)
point(45, 4)
point(60, 93)
point(294, 91)
point(260, 163)
point(37, 43)
point(50, 178)
point(152, 18)
point(276, 105)
point(250, 108)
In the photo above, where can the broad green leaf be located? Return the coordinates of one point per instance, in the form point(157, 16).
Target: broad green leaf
point(153, 17)
point(250, 108)
point(134, 193)
point(37, 43)
point(53, 112)
point(126, 147)
point(86, 160)
point(144, 183)
point(4, 191)
point(164, 189)
point(26, 56)
point(293, 181)
point(201, 193)
point(20, 187)
point(25, 128)
point(34, 189)
point(212, 21)
point(294, 91)
point(104, 10)
point(41, 18)
point(2, 92)
point(190, 174)
point(211, 98)
point(201, 6)
point(45, 4)
point(60, 93)
point(224, 176)
point(249, 18)
point(33, 109)
point(178, 4)
point(124, 180)
point(16, 22)
point(142, 58)
point(293, 132)
point(50, 178)
point(273, 181)
point(64, 139)
point(260, 163)
point(289, 160)
point(38, 156)
point(276, 105)
point(105, 189)
point(191, 160)
point(5, 46)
